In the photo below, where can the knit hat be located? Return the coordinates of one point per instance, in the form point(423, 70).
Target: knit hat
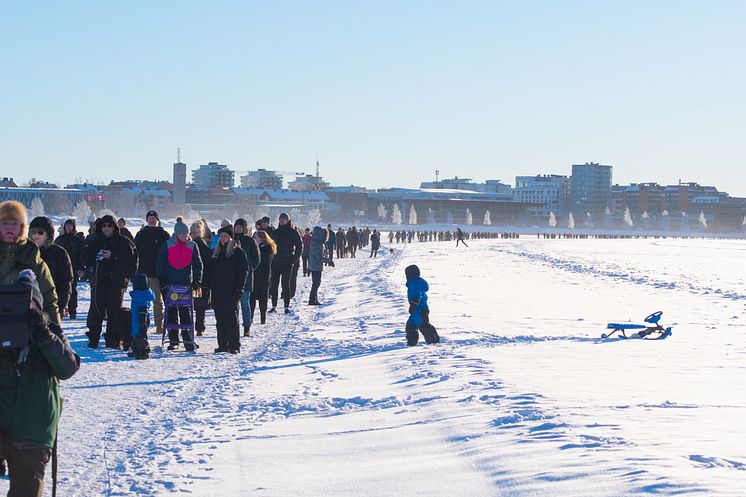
point(91, 219)
point(139, 281)
point(225, 222)
point(152, 213)
point(265, 219)
point(226, 229)
point(412, 272)
point(284, 215)
point(43, 223)
point(70, 221)
point(180, 228)
point(240, 222)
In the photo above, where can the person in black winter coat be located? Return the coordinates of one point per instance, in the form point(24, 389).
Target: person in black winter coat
point(115, 261)
point(331, 242)
point(73, 245)
point(122, 223)
point(148, 242)
point(341, 244)
point(289, 250)
point(228, 272)
point(201, 303)
point(249, 247)
point(353, 240)
point(375, 243)
point(41, 232)
point(262, 274)
point(296, 268)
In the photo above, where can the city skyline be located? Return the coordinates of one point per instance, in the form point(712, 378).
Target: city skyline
point(384, 94)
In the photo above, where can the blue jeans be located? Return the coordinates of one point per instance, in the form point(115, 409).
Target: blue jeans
point(246, 306)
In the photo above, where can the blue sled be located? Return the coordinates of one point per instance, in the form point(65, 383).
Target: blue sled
point(645, 329)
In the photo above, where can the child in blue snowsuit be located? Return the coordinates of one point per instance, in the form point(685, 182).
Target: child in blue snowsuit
point(419, 312)
point(142, 300)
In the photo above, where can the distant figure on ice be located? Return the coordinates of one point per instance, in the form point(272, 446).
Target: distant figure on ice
point(419, 312)
point(375, 243)
point(460, 237)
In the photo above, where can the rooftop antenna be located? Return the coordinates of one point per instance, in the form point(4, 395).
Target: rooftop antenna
point(178, 154)
point(437, 175)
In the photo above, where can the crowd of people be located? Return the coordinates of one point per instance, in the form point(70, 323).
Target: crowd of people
point(233, 271)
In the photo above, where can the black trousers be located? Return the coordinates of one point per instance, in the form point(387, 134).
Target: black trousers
point(353, 249)
point(178, 315)
point(226, 322)
point(294, 279)
point(281, 273)
point(262, 299)
point(315, 284)
point(72, 304)
point(201, 304)
point(428, 330)
point(330, 250)
point(306, 272)
point(106, 302)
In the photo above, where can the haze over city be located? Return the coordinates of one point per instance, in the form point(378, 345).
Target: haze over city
point(385, 93)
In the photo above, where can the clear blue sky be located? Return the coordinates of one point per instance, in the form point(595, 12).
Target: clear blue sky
point(385, 92)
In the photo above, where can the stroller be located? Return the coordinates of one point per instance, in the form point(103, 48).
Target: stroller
point(645, 329)
point(180, 297)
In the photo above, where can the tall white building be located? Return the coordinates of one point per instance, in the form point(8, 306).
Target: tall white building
point(548, 193)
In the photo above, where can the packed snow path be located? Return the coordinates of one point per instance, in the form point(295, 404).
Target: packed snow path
point(521, 398)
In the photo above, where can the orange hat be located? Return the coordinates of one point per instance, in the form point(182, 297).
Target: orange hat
point(10, 210)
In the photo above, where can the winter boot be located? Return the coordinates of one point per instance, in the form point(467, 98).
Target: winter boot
point(247, 331)
point(272, 311)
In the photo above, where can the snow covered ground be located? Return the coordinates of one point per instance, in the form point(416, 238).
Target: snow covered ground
point(522, 398)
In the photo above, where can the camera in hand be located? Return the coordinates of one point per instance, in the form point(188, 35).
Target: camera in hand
point(15, 302)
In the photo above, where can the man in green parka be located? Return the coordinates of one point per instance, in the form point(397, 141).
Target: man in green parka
point(29, 387)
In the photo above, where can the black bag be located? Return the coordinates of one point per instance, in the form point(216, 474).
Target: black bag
point(124, 325)
point(15, 302)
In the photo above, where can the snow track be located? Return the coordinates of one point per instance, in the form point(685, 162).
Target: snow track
point(520, 398)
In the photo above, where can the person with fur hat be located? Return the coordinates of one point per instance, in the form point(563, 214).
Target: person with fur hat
point(289, 250)
point(148, 242)
point(228, 272)
point(18, 253)
point(73, 244)
point(419, 312)
point(179, 263)
point(30, 398)
point(253, 258)
point(115, 261)
point(41, 232)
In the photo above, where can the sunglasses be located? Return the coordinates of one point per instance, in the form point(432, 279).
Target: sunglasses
point(37, 231)
point(107, 225)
